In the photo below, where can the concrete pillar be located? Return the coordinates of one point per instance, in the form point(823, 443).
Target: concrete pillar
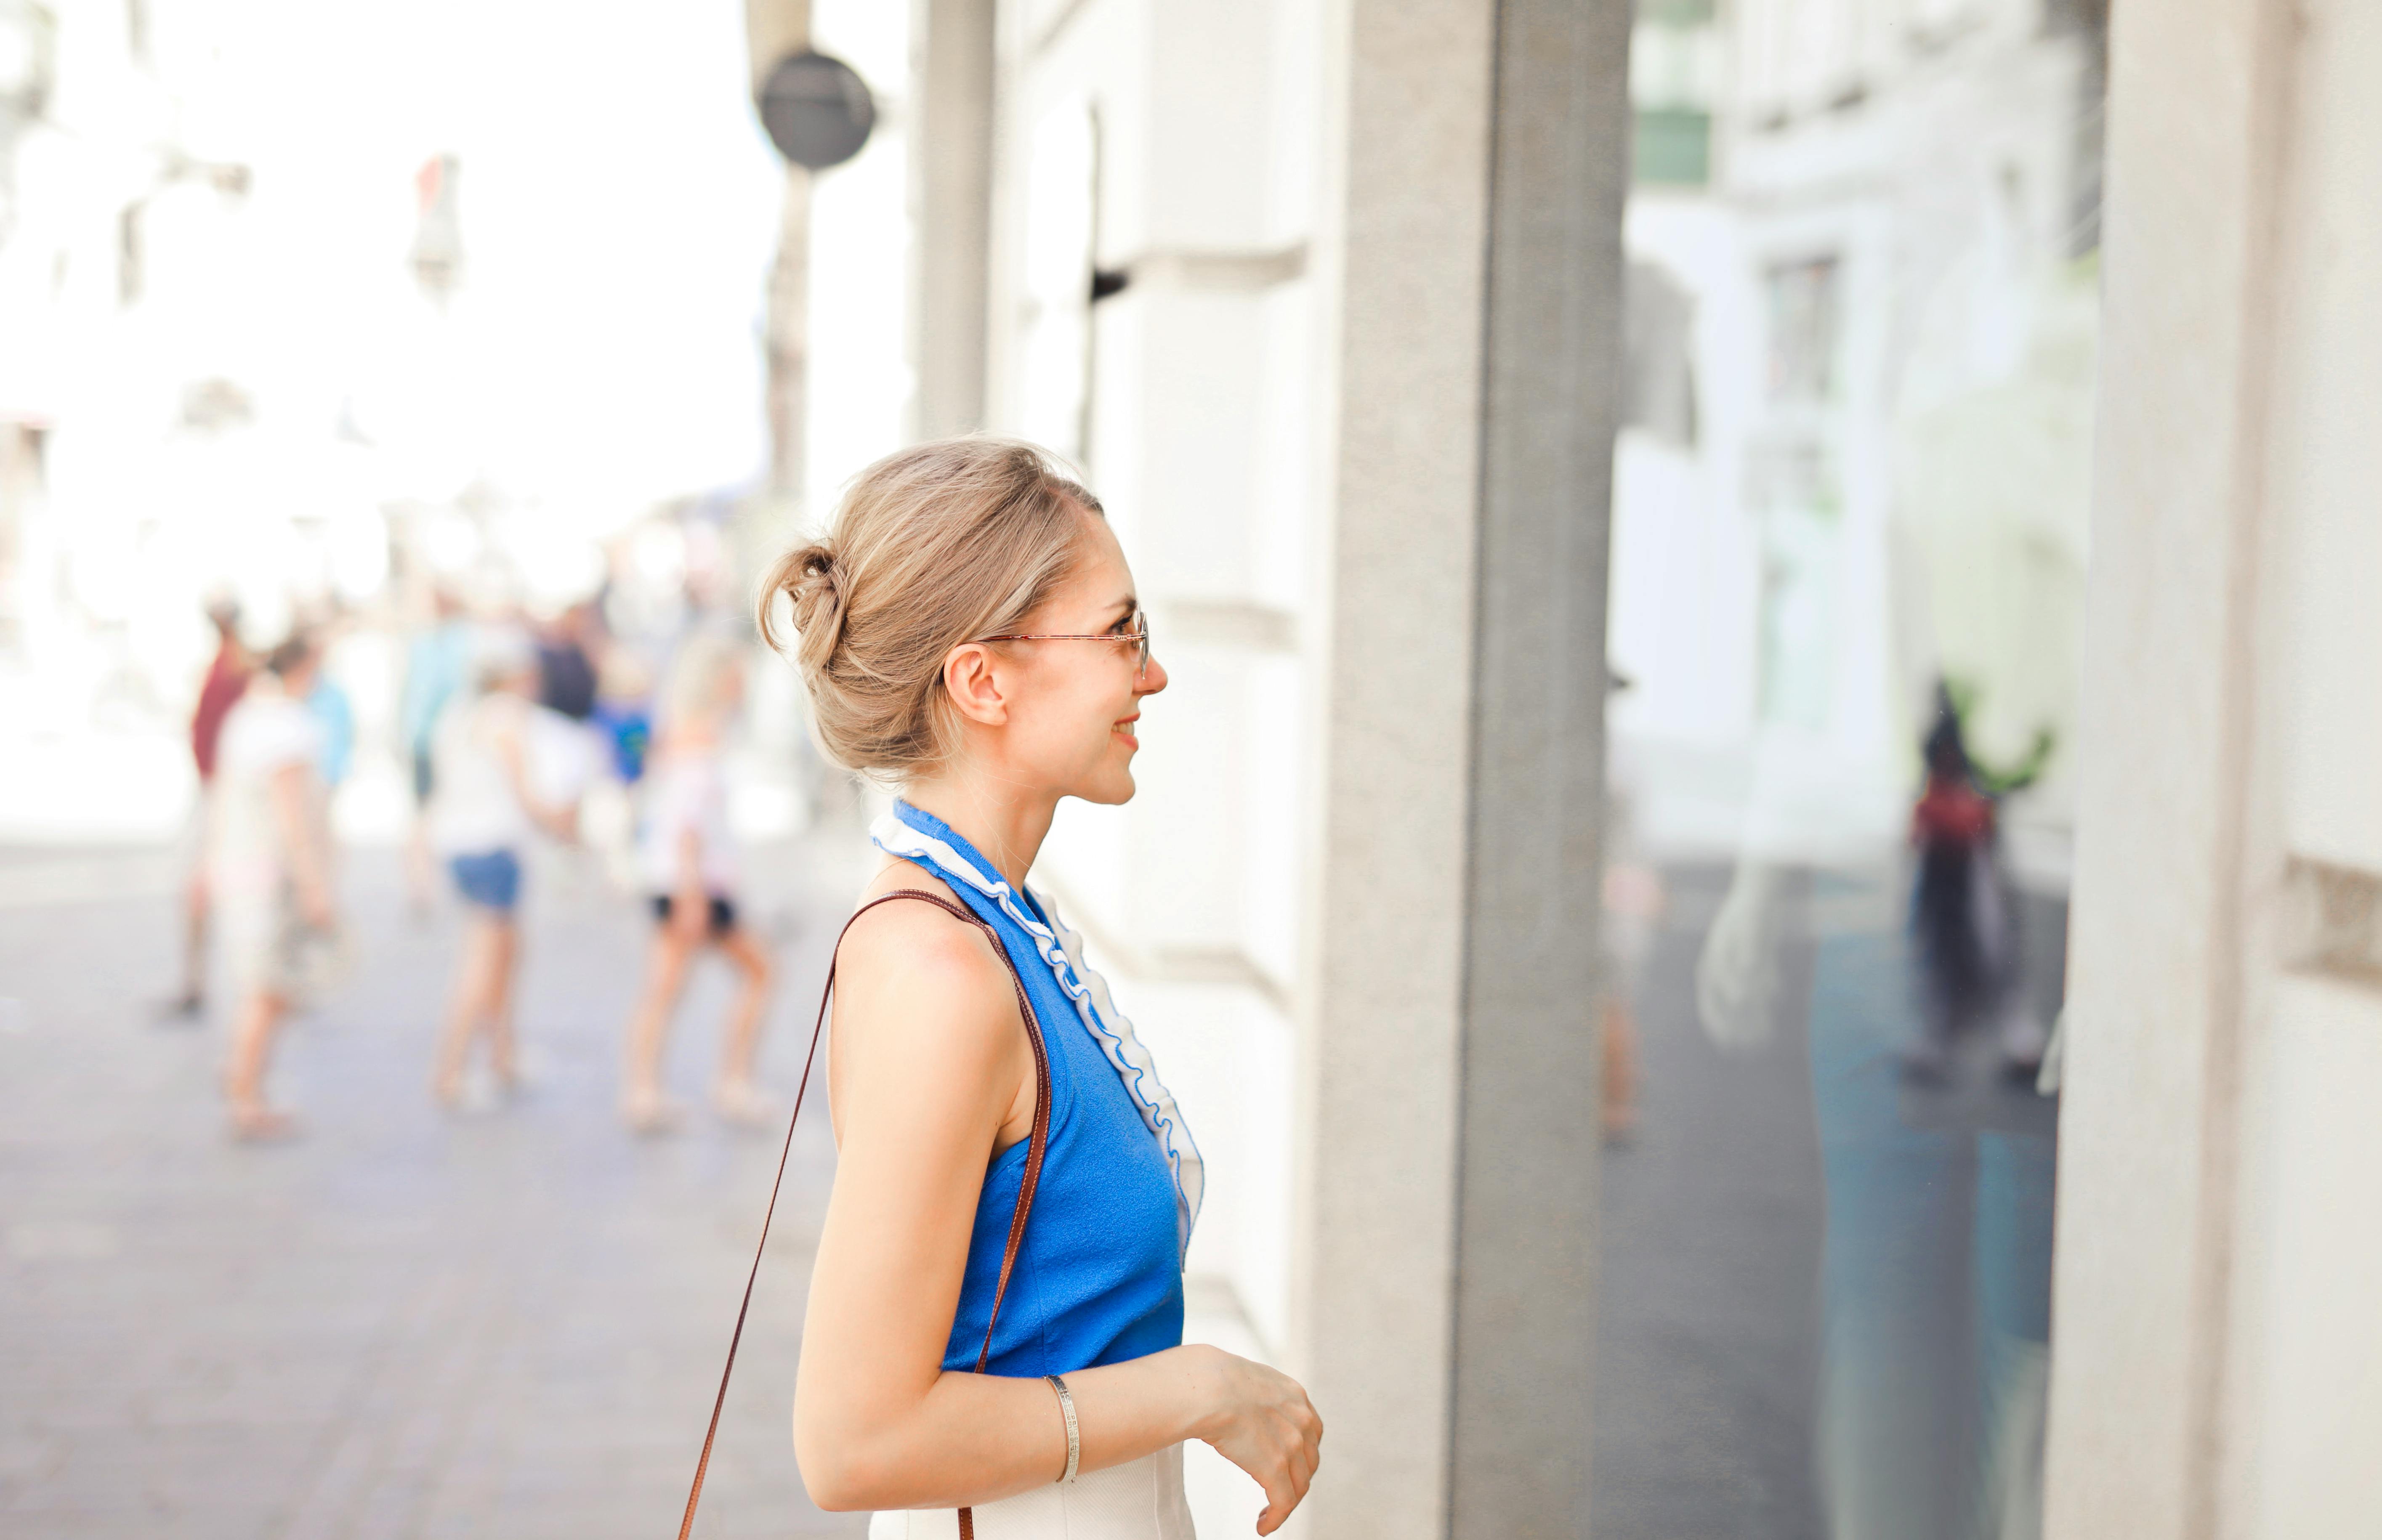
point(2151, 1100)
point(1528, 1136)
point(1449, 1088)
point(1375, 1263)
point(955, 161)
point(774, 29)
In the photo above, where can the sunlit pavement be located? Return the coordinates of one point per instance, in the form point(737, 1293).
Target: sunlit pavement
point(498, 1324)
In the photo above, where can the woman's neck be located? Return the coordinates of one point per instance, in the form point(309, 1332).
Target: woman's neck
point(1007, 826)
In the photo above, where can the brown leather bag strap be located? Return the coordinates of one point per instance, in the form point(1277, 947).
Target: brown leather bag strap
point(1036, 1143)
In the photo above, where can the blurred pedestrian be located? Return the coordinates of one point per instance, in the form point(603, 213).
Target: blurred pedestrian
point(435, 663)
point(329, 706)
point(567, 652)
point(690, 862)
point(270, 872)
point(226, 678)
point(623, 714)
point(1962, 915)
point(483, 808)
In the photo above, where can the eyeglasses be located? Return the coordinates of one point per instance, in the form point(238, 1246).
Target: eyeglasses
point(1139, 636)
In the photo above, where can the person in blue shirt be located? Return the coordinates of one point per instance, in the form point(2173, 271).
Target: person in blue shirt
point(435, 665)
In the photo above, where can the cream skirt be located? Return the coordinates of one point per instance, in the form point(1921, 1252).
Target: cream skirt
point(1141, 1499)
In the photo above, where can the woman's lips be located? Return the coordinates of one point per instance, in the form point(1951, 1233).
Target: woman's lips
point(1123, 729)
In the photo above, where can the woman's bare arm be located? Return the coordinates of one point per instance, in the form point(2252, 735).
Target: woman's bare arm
point(931, 1076)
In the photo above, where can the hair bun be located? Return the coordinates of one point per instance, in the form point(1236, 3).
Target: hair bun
point(812, 580)
point(931, 546)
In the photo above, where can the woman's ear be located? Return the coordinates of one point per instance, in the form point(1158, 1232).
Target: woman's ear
point(974, 684)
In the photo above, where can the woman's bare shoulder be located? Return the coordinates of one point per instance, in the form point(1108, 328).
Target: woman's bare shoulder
point(918, 967)
point(895, 931)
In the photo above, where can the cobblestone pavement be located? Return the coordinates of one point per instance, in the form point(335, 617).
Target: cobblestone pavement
point(501, 1324)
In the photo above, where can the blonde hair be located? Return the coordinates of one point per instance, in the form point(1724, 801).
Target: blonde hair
point(932, 546)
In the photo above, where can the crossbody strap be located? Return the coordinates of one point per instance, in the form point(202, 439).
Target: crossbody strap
point(1036, 1143)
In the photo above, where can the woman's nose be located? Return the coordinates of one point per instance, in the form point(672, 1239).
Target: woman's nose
point(1152, 678)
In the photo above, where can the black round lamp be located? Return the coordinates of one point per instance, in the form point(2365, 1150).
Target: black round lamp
point(816, 109)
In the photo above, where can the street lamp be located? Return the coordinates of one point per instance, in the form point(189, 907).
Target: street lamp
point(816, 109)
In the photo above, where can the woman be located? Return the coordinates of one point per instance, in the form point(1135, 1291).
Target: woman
point(481, 808)
point(969, 630)
point(689, 863)
point(270, 872)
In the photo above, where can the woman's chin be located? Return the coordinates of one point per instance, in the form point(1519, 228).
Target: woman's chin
point(1112, 787)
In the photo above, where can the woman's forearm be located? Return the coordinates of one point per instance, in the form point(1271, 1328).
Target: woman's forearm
point(974, 1438)
point(1124, 1410)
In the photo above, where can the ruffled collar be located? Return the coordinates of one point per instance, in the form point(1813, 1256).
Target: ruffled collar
point(918, 836)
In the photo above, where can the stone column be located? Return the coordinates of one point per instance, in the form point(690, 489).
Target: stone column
point(1402, 258)
point(1529, 1132)
point(774, 29)
point(954, 170)
point(1471, 257)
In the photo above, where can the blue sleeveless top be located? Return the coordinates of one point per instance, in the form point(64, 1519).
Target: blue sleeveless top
point(1099, 1275)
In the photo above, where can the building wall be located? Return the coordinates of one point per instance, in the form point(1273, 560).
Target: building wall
point(1286, 433)
point(2304, 1392)
point(1173, 145)
point(1282, 407)
point(2219, 1359)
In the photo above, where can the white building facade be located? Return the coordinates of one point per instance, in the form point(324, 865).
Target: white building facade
point(1256, 265)
point(1239, 265)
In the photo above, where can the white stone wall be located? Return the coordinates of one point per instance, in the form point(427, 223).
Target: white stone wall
point(2218, 1366)
point(2305, 1404)
point(1282, 411)
point(1198, 428)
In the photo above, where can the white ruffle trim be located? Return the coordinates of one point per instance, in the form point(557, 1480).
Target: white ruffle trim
point(1063, 949)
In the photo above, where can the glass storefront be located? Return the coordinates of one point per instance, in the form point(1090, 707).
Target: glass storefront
point(1847, 570)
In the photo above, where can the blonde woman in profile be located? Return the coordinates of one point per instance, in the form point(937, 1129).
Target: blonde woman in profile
point(690, 875)
point(969, 630)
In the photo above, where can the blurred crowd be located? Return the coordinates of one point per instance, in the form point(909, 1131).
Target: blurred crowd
point(510, 729)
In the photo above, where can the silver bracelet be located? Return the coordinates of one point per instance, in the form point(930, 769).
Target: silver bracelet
point(1074, 1438)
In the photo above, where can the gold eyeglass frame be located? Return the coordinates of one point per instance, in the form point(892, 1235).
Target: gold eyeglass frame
point(1140, 635)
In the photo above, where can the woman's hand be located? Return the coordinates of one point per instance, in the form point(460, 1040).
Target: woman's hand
point(1262, 1422)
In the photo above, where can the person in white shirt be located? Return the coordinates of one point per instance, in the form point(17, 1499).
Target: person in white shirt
point(690, 865)
point(483, 807)
point(270, 871)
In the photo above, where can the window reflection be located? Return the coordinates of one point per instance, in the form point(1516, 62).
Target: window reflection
point(1848, 571)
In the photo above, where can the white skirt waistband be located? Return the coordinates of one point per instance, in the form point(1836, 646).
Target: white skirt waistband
point(1141, 1499)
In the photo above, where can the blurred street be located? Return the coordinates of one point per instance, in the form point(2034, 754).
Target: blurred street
point(500, 1323)
point(468, 470)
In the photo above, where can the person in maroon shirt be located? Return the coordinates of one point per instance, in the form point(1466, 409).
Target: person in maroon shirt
point(227, 681)
point(1962, 918)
